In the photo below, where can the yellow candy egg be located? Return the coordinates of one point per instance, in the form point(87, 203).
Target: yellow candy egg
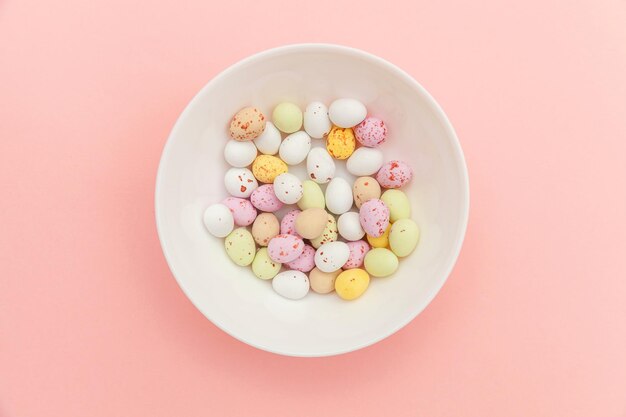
point(398, 203)
point(312, 196)
point(240, 246)
point(263, 267)
point(267, 167)
point(287, 117)
point(380, 242)
point(340, 142)
point(380, 262)
point(352, 283)
point(403, 237)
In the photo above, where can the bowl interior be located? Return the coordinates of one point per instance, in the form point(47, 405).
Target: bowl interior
point(191, 177)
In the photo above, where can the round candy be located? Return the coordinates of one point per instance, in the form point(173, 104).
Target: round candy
point(403, 237)
point(263, 267)
point(365, 188)
point(349, 226)
point(218, 220)
point(242, 210)
point(239, 154)
point(374, 217)
point(265, 228)
point(287, 117)
point(338, 196)
point(346, 112)
point(380, 241)
point(323, 282)
point(316, 121)
point(291, 284)
point(331, 256)
point(240, 182)
point(267, 167)
point(352, 283)
point(340, 142)
point(247, 124)
point(268, 142)
point(394, 174)
point(288, 223)
point(328, 235)
point(381, 262)
point(320, 165)
point(288, 188)
point(311, 223)
point(305, 262)
point(240, 246)
point(285, 248)
point(358, 250)
point(398, 203)
point(264, 199)
point(371, 132)
point(295, 148)
point(365, 161)
point(312, 196)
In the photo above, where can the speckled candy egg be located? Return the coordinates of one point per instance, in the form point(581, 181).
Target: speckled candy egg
point(287, 117)
point(340, 142)
point(285, 248)
point(323, 282)
point(293, 285)
point(403, 237)
point(316, 121)
point(358, 250)
point(365, 161)
point(218, 220)
point(320, 165)
point(242, 210)
point(305, 262)
point(331, 256)
point(247, 124)
point(266, 168)
point(365, 188)
point(268, 142)
point(328, 235)
point(263, 267)
point(394, 174)
point(352, 283)
point(295, 148)
point(374, 217)
point(265, 228)
point(240, 246)
point(264, 199)
point(288, 188)
point(240, 182)
point(288, 223)
point(381, 241)
point(239, 154)
point(371, 132)
point(346, 112)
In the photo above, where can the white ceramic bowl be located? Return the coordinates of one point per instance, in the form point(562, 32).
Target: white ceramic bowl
point(190, 177)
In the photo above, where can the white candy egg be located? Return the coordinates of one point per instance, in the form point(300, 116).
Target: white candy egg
point(269, 141)
point(349, 226)
point(295, 148)
point(320, 165)
point(338, 196)
point(239, 154)
point(331, 256)
point(240, 182)
point(288, 188)
point(218, 220)
point(347, 112)
point(316, 121)
point(365, 161)
point(291, 284)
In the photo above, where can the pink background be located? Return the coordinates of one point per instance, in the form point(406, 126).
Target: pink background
point(531, 323)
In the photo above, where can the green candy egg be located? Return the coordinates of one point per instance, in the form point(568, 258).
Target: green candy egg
point(287, 117)
point(240, 246)
point(403, 237)
point(330, 233)
point(398, 203)
point(312, 196)
point(263, 267)
point(381, 262)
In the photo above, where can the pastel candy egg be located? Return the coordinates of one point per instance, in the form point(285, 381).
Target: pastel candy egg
point(365, 188)
point(316, 121)
point(287, 117)
point(320, 165)
point(346, 112)
point(311, 223)
point(247, 124)
point(374, 217)
point(340, 142)
point(288, 223)
point(381, 262)
point(263, 267)
point(293, 285)
point(338, 196)
point(371, 132)
point(218, 220)
point(328, 235)
point(323, 282)
point(358, 250)
point(239, 154)
point(265, 228)
point(331, 256)
point(267, 167)
point(264, 199)
point(381, 241)
point(240, 246)
point(349, 226)
point(365, 161)
point(312, 196)
point(295, 148)
point(352, 283)
point(268, 142)
point(240, 182)
point(242, 210)
point(403, 237)
point(398, 203)
point(394, 174)
point(305, 262)
point(285, 248)
point(288, 188)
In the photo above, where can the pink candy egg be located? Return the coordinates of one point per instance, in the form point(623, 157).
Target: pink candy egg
point(288, 223)
point(358, 250)
point(285, 248)
point(374, 217)
point(371, 132)
point(394, 174)
point(305, 262)
point(243, 211)
point(264, 199)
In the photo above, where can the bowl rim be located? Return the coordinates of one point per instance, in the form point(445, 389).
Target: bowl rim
point(317, 47)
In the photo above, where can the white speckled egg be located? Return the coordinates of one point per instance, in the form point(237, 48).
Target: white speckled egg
point(316, 121)
point(239, 154)
point(338, 196)
point(349, 226)
point(218, 220)
point(320, 165)
point(291, 284)
point(288, 188)
point(269, 141)
point(240, 182)
point(331, 256)
point(295, 148)
point(346, 112)
point(365, 161)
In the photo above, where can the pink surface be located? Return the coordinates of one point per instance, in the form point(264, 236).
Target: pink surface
point(531, 323)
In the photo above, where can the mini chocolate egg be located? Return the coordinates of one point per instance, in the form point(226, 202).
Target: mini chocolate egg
point(240, 182)
point(293, 285)
point(247, 124)
point(239, 154)
point(323, 282)
point(346, 112)
point(240, 246)
point(312, 196)
point(263, 267)
point(288, 223)
point(264, 199)
point(316, 121)
point(338, 196)
point(320, 165)
point(380, 262)
point(328, 235)
point(374, 217)
point(295, 148)
point(266, 168)
point(398, 203)
point(218, 220)
point(340, 142)
point(305, 262)
point(352, 283)
point(287, 117)
point(331, 256)
point(403, 237)
point(265, 228)
point(365, 161)
point(381, 241)
point(394, 174)
point(288, 188)
point(358, 250)
point(242, 210)
point(371, 132)
point(365, 188)
point(310, 223)
point(268, 142)
point(285, 248)
point(349, 226)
